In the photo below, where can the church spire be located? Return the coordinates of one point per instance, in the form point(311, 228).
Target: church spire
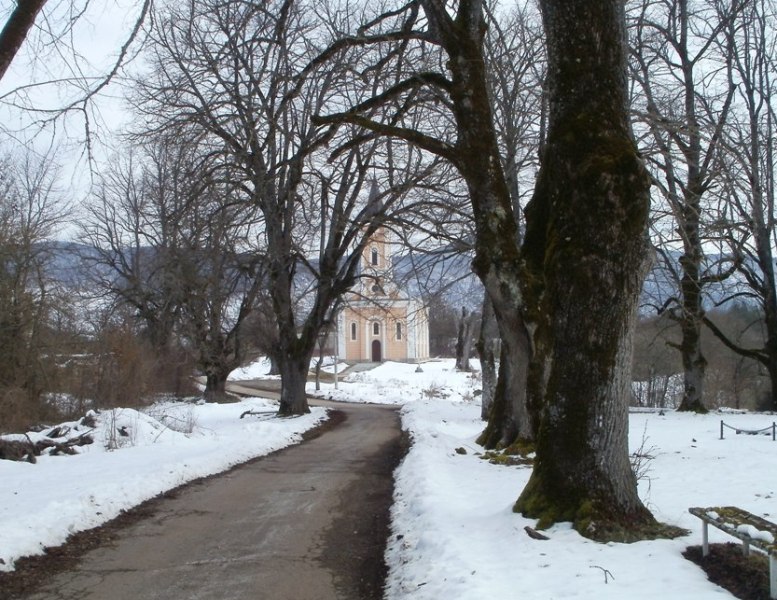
point(374, 201)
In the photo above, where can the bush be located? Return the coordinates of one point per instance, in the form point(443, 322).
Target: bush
point(22, 411)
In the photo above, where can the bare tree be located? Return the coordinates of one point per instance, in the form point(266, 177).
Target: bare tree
point(749, 140)
point(685, 103)
point(437, 53)
point(515, 57)
point(586, 247)
point(174, 244)
point(235, 72)
point(128, 227)
point(29, 213)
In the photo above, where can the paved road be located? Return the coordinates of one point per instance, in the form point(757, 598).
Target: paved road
point(308, 523)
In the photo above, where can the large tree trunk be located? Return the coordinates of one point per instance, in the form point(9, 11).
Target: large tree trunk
point(586, 244)
point(216, 385)
point(294, 376)
point(488, 342)
point(464, 340)
point(497, 258)
point(692, 316)
point(509, 420)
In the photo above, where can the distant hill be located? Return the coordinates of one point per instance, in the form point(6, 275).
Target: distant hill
point(446, 273)
point(661, 284)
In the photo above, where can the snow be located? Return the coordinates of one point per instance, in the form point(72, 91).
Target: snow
point(454, 534)
point(173, 443)
point(257, 369)
point(756, 533)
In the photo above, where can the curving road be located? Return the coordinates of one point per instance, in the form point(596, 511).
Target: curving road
point(307, 523)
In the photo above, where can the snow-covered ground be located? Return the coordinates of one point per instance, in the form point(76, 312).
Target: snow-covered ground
point(164, 447)
point(454, 534)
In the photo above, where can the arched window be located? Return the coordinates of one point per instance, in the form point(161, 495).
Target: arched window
point(399, 331)
point(353, 330)
point(375, 328)
point(374, 257)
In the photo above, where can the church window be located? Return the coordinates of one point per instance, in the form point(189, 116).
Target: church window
point(376, 328)
point(399, 331)
point(374, 257)
point(353, 330)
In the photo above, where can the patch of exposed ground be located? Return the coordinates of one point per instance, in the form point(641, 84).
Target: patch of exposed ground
point(746, 577)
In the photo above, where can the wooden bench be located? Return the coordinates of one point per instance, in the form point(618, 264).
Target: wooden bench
point(751, 529)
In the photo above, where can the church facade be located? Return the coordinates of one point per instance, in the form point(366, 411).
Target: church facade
point(380, 321)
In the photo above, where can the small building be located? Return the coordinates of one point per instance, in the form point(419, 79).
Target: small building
point(381, 321)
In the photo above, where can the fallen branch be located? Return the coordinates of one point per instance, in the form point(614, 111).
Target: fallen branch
point(606, 573)
point(27, 451)
point(534, 534)
point(257, 412)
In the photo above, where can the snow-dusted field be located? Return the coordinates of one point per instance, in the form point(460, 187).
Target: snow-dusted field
point(454, 533)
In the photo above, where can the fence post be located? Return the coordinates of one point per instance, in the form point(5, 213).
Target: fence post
point(721, 429)
point(705, 540)
point(774, 431)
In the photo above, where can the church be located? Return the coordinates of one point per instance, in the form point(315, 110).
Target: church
point(380, 321)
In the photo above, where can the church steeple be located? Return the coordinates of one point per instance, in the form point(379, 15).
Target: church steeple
point(376, 259)
point(374, 201)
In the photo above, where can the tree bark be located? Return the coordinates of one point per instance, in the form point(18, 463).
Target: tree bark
point(16, 29)
point(216, 385)
point(294, 376)
point(692, 309)
point(488, 342)
point(509, 419)
point(497, 258)
point(464, 341)
point(586, 248)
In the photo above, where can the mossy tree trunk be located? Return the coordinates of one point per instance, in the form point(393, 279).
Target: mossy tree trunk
point(497, 256)
point(510, 420)
point(586, 248)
